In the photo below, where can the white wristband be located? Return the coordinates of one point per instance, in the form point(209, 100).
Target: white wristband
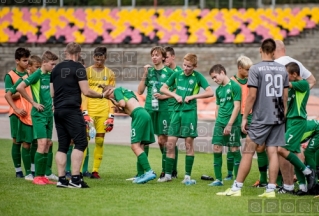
point(111, 116)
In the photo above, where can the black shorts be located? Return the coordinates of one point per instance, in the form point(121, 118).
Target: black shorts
point(69, 125)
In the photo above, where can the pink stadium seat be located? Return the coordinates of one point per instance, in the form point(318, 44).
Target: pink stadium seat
point(295, 11)
point(32, 38)
point(80, 14)
point(42, 39)
point(294, 32)
point(6, 17)
point(229, 38)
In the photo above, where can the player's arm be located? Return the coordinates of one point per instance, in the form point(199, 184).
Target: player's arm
point(216, 111)
point(285, 100)
point(21, 88)
point(311, 80)
point(8, 84)
point(250, 101)
point(306, 74)
point(207, 93)
point(165, 90)
point(86, 91)
point(142, 85)
point(8, 97)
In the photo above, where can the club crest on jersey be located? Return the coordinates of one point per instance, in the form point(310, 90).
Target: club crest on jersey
point(105, 78)
point(228, 91)
point(163, 76)
point(191, 82)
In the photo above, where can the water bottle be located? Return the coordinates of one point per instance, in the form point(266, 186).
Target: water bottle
point(92, 131)
point(154, 99)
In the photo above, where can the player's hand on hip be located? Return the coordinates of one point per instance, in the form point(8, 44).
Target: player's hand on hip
point(188, 99)
point(159, 96)
point(244, 126)
point(20, 112)
point(179, 99)
point(109, 123)
point(39, 107)
point(227, 129)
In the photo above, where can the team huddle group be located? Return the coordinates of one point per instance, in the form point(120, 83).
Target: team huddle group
point(263, 106)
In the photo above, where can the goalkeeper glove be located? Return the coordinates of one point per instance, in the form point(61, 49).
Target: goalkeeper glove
point(109, 123)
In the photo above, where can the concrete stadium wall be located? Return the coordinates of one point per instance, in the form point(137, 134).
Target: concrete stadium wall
point(304, 48)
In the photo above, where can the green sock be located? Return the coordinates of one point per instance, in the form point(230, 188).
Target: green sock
point(48, 167)
point(279, 179)
point(309, 158)
point(86, 161)
point(169, 165)
point(163, 158)
point(16, 155)
point(146, 149)
point(176, 159)
point(294, 160)
point(34, 147)
point(68, 159)
point(230, 162)
point(26, 158)
point(317, 158)
point(262, 160)
point(189, 161)
point(40, 163)
point(300, 176)
point(218, 162)
point(237, 159)
point(140, 170)
point(143, 160)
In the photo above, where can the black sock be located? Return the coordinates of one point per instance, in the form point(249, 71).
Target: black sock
point(75, 178)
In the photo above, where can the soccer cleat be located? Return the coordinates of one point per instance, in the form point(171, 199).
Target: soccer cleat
point(229, 192)
point(29, 177)
point(162, 175)
point(95, 175)
point(148, 176)
point(68, 175)
point(52, 177)
point(282, 190)
point(190, 182)
point(207, 178)
point(47, 181)
point(259, 185)
point(38, 180)
point(271, 194)
point(316, 196)
point(78, 184)
point(86, 174)
point(33, 173)
point(311, 179)
point(216, 183)
point(131, 179)
point(136, 178)
point(19, 174)
point(300, 193)
point(223, 193)
point(62, 184)
point(174, 174)
point(164, 179)
point(228, 177)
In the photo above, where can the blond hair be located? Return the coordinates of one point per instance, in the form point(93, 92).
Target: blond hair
point(244, 62)
point(49, 56)
point(191, 58)
point(34, 59)
point(73, 48)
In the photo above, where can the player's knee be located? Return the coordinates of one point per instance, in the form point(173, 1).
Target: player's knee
point(217, 149)
point(99, 141)
point(26, 145)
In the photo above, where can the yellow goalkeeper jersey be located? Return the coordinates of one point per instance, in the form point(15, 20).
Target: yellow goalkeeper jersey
point(98, 106)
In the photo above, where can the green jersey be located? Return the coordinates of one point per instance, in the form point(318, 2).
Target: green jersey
point(171, 101)
point(40, 86)
point(121, 93)
point(13, 88)
point(187, 86)
point(225, 97)
point(159, 77)
point(297, 99)
point(312, 127)
point(8, 81)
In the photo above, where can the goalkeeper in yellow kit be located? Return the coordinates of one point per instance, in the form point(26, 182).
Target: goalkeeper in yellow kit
point(98, 109)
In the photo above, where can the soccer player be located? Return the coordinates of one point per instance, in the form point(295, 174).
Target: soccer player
point(42, 117)
point(243, 65)
point(21, 58)
point(170, 62)
point(68, 79)
point(281, 58)
point(99, 110)
point(296, 124)
point(184, 118)
point(142, 132)
point(267, 98)
point(153, 79)
point(227, 126)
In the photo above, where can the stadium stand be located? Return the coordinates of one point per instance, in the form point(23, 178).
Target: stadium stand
point(164, 26)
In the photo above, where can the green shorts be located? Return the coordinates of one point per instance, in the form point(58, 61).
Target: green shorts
point(232, 140)
point(249, 117)
point(295, 128)
point(183, 124)
point(25, 133)
point(14, 125)
point(42, 127)
point(160, 121)
point(141, 127)
point(313, 144)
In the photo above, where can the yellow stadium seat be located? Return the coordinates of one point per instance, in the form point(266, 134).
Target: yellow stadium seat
point(174, 39)
point(192, 39)
point(211, 39)
point(240, 38)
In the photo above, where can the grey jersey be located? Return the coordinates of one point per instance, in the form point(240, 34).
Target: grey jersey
point(270, 78)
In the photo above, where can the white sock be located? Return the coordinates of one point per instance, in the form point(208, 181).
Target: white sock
point(270, 188)
point(306, 171)
point(303, 187)
point(187, 177)
point(289, 187)
point(18, 169)
point(168, 176)
point(237, 186)
point(32, 168)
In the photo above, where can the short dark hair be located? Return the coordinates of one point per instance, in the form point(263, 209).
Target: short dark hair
point(100, 51)
point(268, 46)
point(218, 68)
point(170, 50)
point(22, 53)
point(293, 67)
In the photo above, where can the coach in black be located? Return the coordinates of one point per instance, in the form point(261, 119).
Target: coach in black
point(68, 80)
